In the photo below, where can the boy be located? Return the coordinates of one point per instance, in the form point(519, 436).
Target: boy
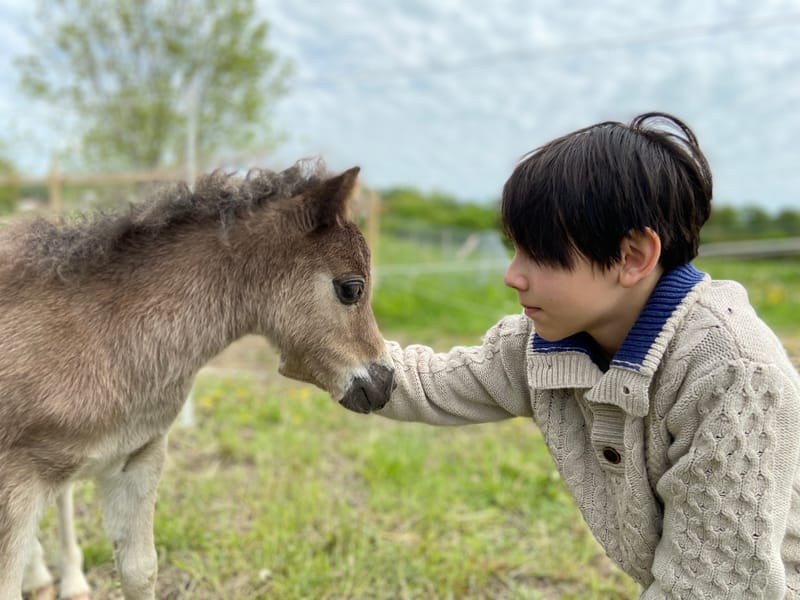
point(672, 412)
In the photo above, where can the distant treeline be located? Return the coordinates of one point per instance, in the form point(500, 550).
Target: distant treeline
point(404, 206)
point(750, 222)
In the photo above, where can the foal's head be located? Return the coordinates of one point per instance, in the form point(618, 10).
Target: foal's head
point(319, 286)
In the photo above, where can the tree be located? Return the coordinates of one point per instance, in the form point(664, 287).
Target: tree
point(788, 221)
point(403, 204)
point(756, 220)
point(137, 76)
point(8, 193)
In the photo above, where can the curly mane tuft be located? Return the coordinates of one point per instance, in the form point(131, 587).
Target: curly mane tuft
point(86, 243)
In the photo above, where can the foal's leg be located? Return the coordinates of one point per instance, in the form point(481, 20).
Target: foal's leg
point(38, 581)
point(127, 500)
point(21, 503)
point(73, 584)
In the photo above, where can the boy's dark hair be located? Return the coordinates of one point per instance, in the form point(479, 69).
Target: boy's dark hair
point(586, 191)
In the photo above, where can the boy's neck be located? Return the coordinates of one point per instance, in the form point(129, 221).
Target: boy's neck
point(631, 304)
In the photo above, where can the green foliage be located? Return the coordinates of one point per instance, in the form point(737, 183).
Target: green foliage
point(728, 223)
point(405, 209)
point(8, 193)
point(423, 305)
point(402, 206)
point(131, 71)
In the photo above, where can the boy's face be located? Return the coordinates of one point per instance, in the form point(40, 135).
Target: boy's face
point(564, 302)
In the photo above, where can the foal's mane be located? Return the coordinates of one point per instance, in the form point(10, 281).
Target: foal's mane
point(88, 242)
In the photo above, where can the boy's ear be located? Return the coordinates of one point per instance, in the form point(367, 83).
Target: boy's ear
point(640, 253)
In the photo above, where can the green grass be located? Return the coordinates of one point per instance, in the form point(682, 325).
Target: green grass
point(427, 307)
point(459, 306)
point(436, 307)
point(279, 493)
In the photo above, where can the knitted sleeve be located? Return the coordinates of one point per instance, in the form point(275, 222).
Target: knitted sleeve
point(727, 497)
point(465, 385)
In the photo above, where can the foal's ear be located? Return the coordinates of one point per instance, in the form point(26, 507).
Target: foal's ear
point(329, 202)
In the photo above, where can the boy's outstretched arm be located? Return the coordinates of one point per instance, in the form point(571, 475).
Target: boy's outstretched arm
point(467, 384)
point(727, 499)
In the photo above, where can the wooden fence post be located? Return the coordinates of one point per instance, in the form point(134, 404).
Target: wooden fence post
point(373, 230)
point(54, 188)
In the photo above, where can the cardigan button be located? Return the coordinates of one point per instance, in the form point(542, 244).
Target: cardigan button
point(611, 455)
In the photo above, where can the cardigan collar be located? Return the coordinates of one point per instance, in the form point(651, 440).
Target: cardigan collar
point(580, 361)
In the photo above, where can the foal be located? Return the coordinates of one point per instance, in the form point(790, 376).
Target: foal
point(104, 324)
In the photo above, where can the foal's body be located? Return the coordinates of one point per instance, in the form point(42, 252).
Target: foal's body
point(96, 360)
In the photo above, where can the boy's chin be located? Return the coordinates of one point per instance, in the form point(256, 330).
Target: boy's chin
point(551, 335)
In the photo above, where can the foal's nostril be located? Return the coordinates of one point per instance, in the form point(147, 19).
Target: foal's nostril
point(357, 399)
point(366, 395)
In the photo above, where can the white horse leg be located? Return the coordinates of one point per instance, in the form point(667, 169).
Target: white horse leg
point(37, 581)
point(73, 584)
point(127, 501)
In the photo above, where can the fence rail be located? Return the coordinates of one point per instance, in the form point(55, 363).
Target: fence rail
point(773, 248)
point(94, 178)
point(55, 180)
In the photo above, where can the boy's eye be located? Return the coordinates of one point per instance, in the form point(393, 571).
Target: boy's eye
point(349, 290)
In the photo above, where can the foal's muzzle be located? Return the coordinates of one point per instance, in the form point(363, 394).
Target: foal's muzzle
point(366, 395)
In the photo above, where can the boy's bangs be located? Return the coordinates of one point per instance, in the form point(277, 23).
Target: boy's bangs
point(535, 224)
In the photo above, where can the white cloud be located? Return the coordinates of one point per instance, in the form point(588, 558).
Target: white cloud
point(447, 94)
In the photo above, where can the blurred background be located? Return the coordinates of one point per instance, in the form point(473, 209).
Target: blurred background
point(437, 95)
point(436, 100)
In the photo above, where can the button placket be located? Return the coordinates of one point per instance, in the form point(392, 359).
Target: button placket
point(608, 428)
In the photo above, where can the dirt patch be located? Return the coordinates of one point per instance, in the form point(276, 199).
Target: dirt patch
point(250, 353)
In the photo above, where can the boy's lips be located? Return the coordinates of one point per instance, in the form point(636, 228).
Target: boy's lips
point(531, 310)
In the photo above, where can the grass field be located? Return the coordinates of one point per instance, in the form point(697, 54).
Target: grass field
point(279, 493)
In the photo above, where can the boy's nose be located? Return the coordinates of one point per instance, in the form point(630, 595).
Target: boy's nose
point(514, 279)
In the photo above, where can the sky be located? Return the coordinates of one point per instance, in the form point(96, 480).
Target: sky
point(447, 95)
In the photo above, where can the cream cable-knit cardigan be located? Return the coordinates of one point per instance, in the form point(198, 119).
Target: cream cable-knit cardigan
point(682, 454)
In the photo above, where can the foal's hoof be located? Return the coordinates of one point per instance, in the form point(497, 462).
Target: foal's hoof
point(47, 592)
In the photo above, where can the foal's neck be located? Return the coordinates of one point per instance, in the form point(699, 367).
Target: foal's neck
point(185, 303)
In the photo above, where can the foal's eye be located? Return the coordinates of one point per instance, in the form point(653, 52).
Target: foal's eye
point(349, 290)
